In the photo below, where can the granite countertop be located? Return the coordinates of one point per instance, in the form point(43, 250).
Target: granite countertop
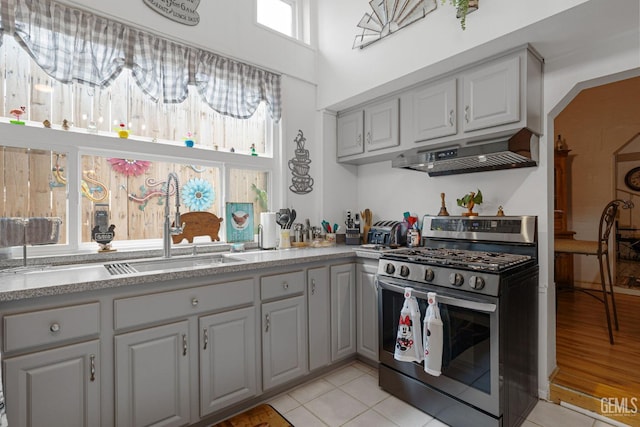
point(40, 281)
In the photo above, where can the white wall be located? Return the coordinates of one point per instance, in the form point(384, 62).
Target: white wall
point(345, 72)
point(298, 101)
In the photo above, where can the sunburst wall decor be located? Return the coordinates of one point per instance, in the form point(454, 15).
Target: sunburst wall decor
point(389, 16)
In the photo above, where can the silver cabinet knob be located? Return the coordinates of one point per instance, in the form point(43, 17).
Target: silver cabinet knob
point(194, 302)
point(54, 327)
point(285, 285)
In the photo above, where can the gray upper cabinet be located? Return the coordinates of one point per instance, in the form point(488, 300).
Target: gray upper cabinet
point(350, 134)
point(488, 99)
point(434, 112)
point(376, 127)
point(491, 94)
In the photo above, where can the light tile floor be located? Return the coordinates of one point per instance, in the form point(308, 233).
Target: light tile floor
point(350, 397)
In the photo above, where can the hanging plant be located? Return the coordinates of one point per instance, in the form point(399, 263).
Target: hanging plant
point(198, 194)
point(129, 167)
point(463, 7)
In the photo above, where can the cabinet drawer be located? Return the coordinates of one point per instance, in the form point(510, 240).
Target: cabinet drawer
point(162, 306)
point(51, 326)
point(282, 285)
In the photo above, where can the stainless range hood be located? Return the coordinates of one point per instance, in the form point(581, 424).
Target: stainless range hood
point(518, 150)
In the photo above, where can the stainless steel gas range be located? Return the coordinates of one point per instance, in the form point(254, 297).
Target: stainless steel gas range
point(484, 271)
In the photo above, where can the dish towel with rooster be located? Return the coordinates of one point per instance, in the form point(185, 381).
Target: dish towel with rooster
point(409, 338)
point(432, 337)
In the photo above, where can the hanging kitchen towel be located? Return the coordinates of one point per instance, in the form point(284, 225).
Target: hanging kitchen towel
point(409, 338)
point(43, 230)
point(11, 232)
point(433, 337)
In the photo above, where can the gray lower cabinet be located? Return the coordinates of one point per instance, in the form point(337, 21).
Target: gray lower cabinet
point(152, 377)
point(367, 302)
point(227, 359)
point(319, 322)
point(54, 388)
point(284, 341)
point(343, 311)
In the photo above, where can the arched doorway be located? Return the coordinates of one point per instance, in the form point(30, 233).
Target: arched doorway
point(598, 121)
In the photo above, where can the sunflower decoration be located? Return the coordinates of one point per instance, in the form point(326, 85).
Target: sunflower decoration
point(129, 167)
point(197, 194)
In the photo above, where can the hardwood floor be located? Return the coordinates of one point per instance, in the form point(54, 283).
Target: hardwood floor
point(589, 368)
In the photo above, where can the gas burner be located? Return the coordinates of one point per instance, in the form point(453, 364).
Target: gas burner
point(476, 260)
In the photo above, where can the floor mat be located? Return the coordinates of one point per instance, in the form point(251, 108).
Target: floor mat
point(260, 416)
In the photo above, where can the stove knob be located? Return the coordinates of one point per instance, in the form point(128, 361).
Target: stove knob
point(404, 271)
point(476, 282)
point(456, 279)
point(429, 275)
point(390, 269)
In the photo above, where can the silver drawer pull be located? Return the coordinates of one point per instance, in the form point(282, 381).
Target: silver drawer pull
point(54, 327)
point(184, 344)
point(194, 302)
point(313, 286)
point(92, 367)
point(451, 118)
point(285, 285)
point(267, 322)
point(466, 114)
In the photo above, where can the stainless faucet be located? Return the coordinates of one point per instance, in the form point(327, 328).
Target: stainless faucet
point(178, 227)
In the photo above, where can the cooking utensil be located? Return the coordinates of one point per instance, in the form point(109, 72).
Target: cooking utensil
point(282, 219)
point(292, 217)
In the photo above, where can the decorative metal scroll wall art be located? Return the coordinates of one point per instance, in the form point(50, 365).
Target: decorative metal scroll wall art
point(183, 11)
point(301, 182)
point(389, 16)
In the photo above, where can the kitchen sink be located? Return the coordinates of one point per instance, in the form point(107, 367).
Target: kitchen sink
point(164, 264)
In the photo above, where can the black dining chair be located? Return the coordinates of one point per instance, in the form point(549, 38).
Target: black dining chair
point(599, 248)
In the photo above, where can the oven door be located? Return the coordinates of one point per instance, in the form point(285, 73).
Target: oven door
point(470, 365)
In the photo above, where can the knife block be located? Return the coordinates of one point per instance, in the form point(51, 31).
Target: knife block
point(352, 236)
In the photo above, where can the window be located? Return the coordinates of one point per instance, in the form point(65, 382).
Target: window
point(68, 181)
point(283, 16)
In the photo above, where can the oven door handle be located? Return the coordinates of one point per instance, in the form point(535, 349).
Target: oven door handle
point(475, 305)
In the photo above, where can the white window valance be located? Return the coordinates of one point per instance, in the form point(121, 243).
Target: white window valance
point(72, 45)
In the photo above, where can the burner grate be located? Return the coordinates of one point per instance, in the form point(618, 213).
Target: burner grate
point(478, 260)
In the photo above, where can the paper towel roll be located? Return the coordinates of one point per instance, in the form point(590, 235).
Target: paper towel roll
point(268, 238)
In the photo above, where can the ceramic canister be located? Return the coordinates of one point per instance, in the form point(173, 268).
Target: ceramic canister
point(268, 231)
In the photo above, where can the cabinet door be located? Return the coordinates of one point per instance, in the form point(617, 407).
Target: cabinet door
point(343, 311)
point(381, 125)
point(367, 304)
point(319, 324)
point(284, 341)
point(434, 111)
point(492, 95)
point(152, 377)
point(350, 140)
point(54, 388)
point(227, 359)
